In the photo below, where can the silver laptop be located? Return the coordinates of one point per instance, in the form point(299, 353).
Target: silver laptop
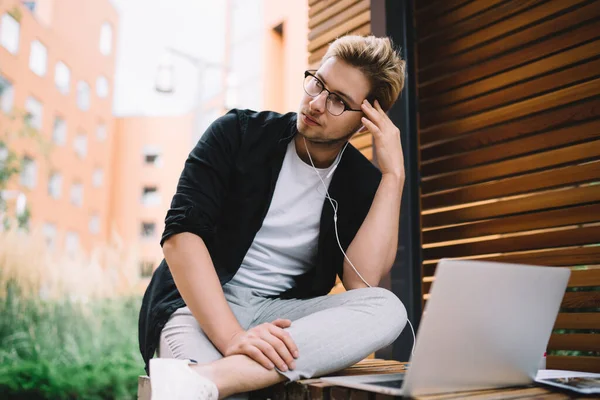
point(486, 325)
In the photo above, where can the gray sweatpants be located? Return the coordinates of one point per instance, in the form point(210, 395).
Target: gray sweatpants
point(332, 332)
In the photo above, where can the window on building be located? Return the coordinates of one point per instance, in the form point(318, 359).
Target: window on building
point(97, 177)
point(165, 76)
point(49, 232)
point(152, 156)
point(106, 39)
point(148, 229)
point(28, 176)
point(55, 185)
point(83, 95)
point(94, 224)
point(34, 111)
point(38, 58)
point(76, 195)
point(62, 77)
point(21, 205)
point(9, 33)
point(151, 159)
point(3, 154)
point(101, 133)
point(80, 144)
point(71, 243)
point(30, 5)
point(7, 95)
point(102, 86)
point(146, 268)
point(59, 132)
point(150, 196)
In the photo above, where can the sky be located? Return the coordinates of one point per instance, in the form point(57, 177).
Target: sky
point(146, 29)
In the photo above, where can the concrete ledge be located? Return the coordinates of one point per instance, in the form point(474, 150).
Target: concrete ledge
point(144, 389)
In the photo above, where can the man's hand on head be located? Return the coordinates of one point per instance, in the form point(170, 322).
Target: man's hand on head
point(268, 344)
point(386, 138)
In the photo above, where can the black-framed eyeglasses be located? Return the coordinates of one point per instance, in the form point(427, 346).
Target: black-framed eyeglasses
point(313, 87)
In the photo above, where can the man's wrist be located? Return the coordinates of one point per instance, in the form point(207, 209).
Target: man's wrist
point(225, 344)
point(394, 178)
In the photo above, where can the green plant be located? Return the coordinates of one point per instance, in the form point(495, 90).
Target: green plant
point(68, 326)
point(64, 349)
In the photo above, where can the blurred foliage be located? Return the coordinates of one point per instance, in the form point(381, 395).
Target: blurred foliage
point(62, 349)
point(67, 331)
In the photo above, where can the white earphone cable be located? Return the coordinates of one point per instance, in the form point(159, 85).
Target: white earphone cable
point(335, 208)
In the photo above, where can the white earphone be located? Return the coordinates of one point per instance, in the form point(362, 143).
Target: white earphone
point(334, 167)
point(334, 205)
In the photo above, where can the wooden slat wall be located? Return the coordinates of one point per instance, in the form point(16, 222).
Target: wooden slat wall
point(328, 20)
point(509, 132)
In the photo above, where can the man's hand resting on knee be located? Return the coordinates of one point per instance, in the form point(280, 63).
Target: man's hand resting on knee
point(267, 344)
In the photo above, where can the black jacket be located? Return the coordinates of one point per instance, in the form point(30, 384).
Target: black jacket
point(223, 196)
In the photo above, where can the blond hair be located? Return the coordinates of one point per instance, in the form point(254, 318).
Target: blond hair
point(378, 60)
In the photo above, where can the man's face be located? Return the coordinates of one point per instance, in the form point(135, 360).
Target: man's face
point(351, 85)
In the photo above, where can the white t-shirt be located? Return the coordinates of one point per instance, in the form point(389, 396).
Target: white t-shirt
point(286, 244)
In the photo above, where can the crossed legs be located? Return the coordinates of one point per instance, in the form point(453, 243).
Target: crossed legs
point(331, 332)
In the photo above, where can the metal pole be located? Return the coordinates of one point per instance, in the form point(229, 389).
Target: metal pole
point(201, 66)
point(393, 18)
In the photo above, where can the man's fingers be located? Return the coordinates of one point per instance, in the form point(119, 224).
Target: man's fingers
point(286, 338)
point(370, 126)
point(257, 355)
point(373, 114)
point(269, 351)
point(291, 350)
point(377, 106)
point(281, 348)
point(282, 323)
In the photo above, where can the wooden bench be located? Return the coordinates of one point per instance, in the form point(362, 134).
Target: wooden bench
point(315, 389)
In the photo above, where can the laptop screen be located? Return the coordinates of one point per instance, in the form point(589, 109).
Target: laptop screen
point(395, 384)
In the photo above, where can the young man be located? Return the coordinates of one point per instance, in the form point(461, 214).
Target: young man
point(254, 237)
